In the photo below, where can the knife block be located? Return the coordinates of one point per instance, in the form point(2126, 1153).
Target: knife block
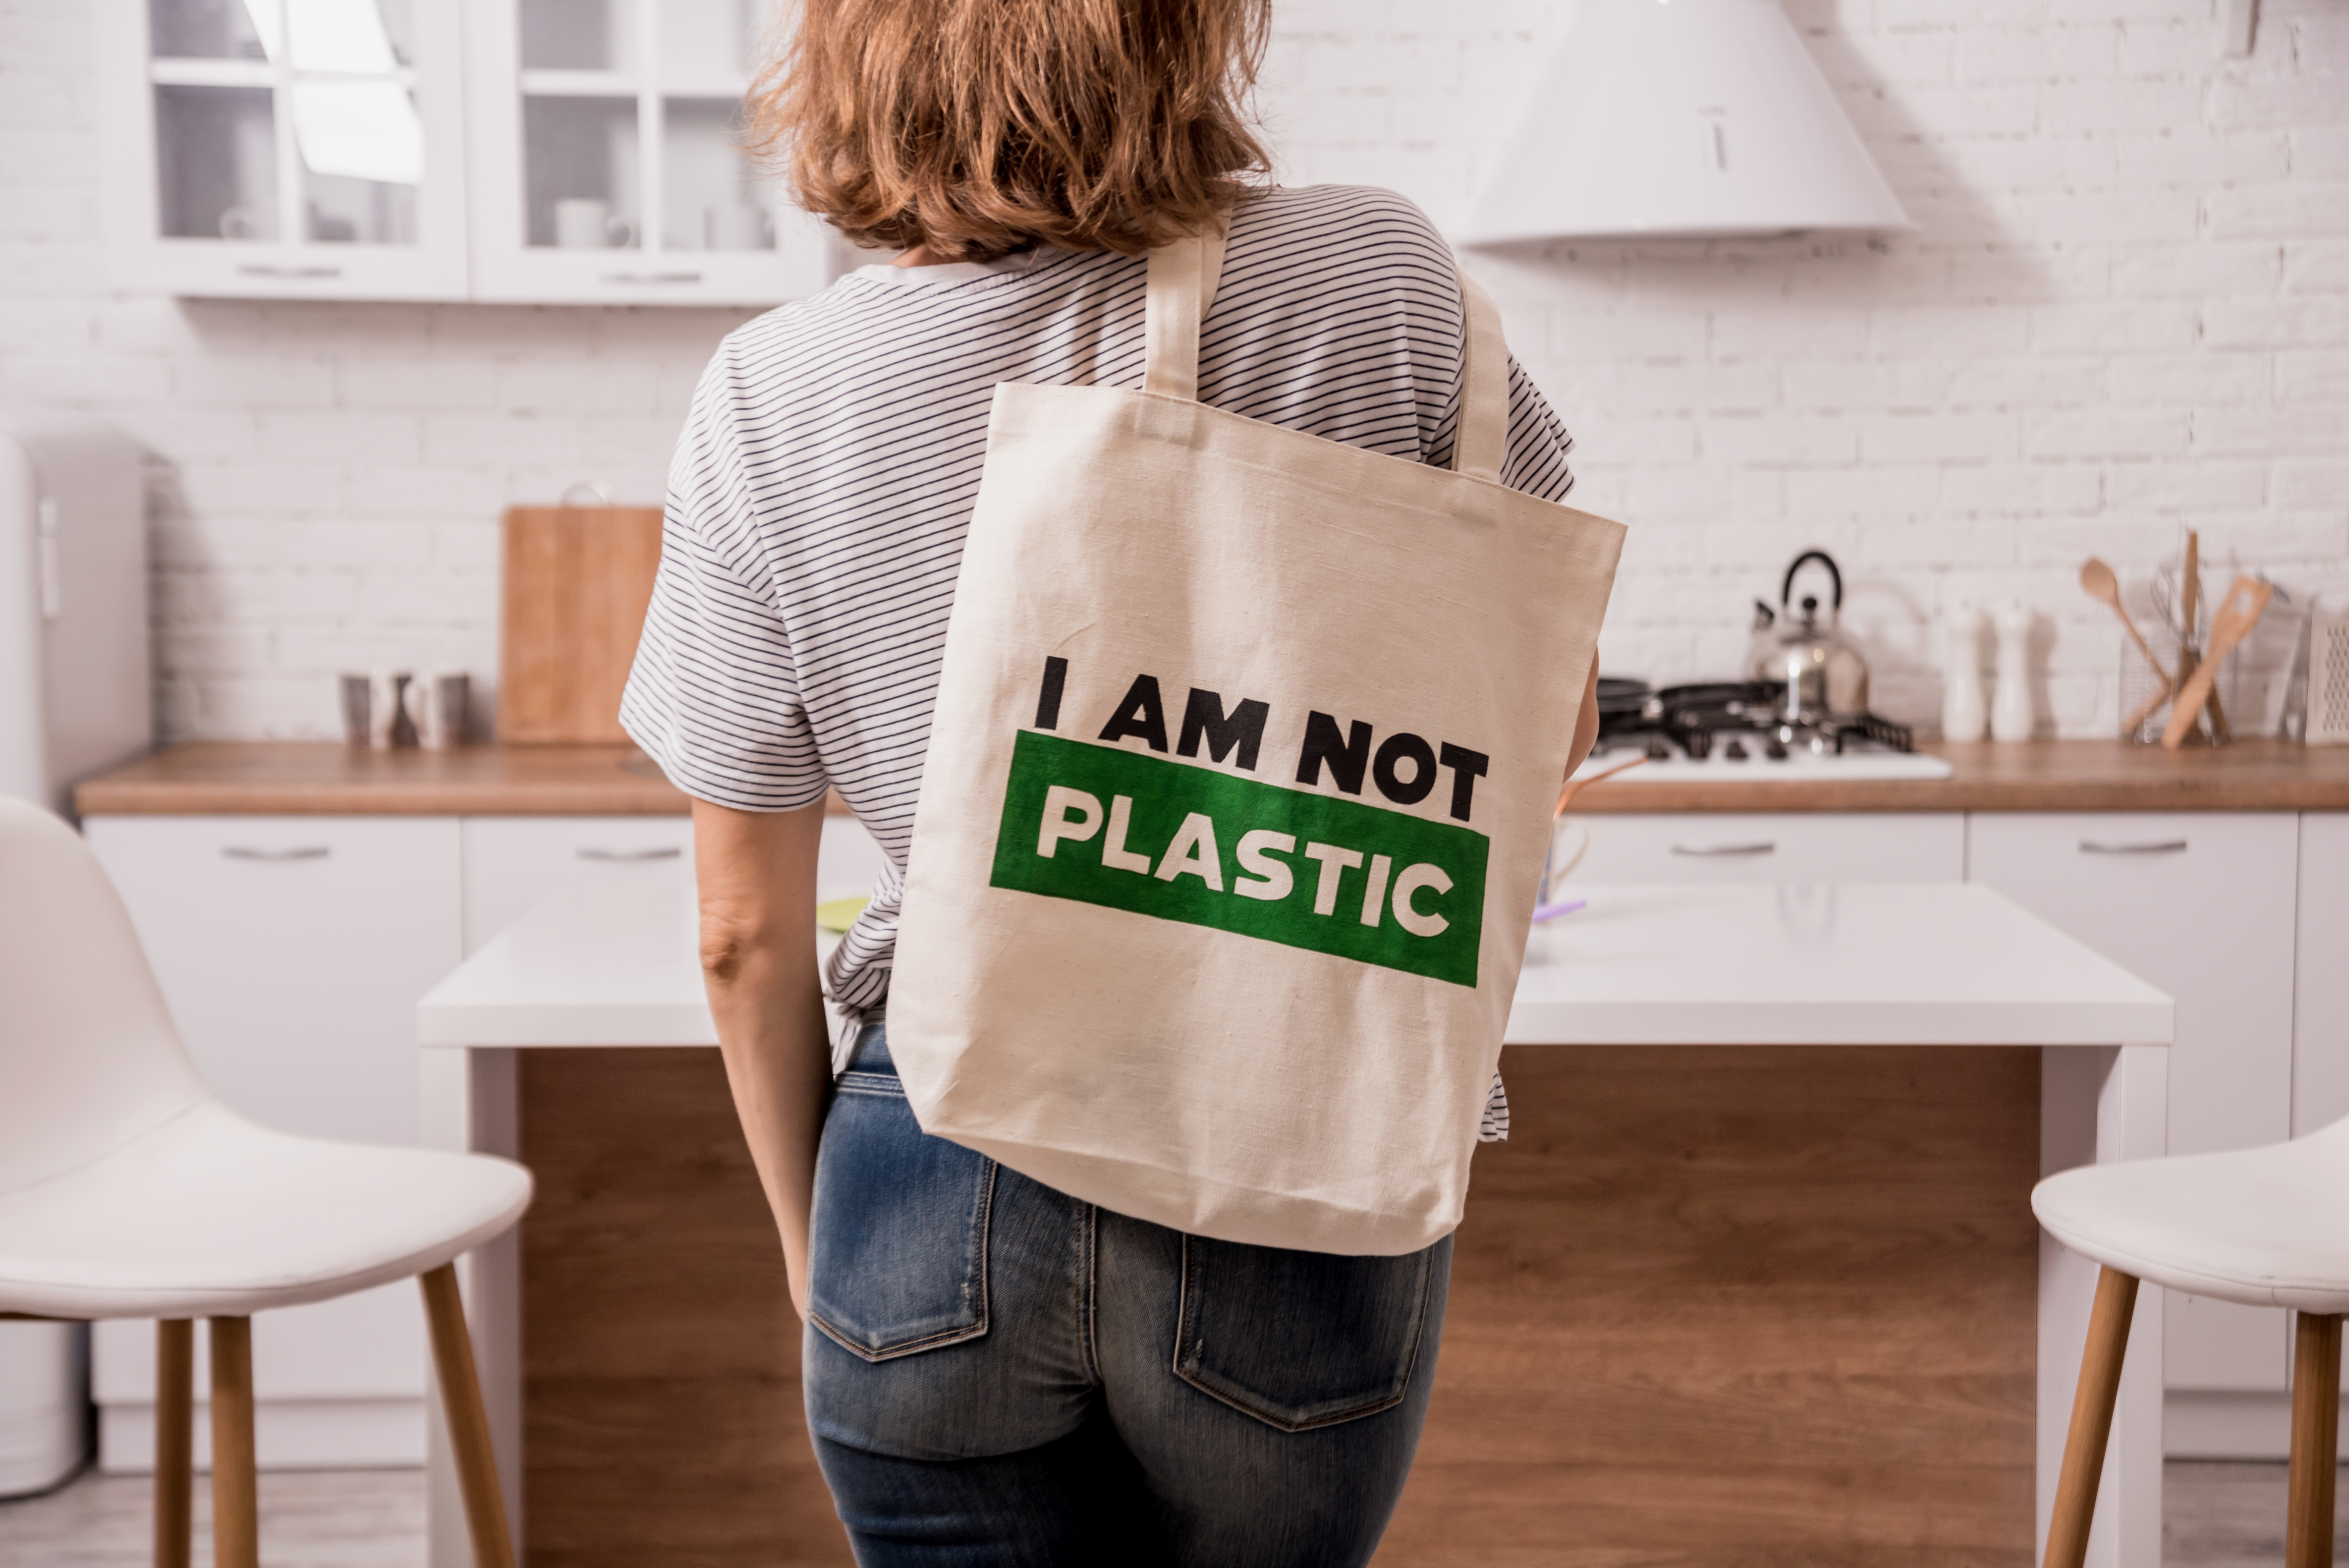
point(576, 583)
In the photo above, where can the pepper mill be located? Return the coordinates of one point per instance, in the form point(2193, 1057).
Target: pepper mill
point(1963, 711)
point(2011, 717)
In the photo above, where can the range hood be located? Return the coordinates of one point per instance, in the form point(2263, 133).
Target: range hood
point(1681, 119)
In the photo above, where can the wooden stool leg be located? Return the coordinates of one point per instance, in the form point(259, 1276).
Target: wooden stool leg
point(2092, 1419)
point(175, 1439)
point(2315, 1433)
point(236, 1505)
point(469, 1423)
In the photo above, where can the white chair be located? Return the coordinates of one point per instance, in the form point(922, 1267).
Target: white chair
point(127, 1190)
point(2265, 1227)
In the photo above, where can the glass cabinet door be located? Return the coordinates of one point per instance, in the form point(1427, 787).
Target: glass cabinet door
point(288, 148)
point(609, 162)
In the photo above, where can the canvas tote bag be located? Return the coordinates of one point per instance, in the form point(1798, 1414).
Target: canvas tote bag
point(1240, 782)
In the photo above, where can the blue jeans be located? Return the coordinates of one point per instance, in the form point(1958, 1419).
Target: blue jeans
point(997, 1374)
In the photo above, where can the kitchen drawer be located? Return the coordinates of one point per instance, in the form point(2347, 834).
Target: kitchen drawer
point(291, 951)
point(512, 862)
point(2201, 905)
point(1776, 847)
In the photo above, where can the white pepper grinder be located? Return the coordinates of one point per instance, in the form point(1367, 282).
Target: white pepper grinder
point(1965, 712)
point(2011, 717)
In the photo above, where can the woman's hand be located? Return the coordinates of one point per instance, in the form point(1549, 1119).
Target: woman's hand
point(757, 875)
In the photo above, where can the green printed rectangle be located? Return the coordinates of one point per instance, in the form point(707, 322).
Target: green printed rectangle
point(1125, 829)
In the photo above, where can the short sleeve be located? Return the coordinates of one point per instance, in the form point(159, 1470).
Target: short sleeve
point(1534, 459)
point(714, 696)
point(1538, 444)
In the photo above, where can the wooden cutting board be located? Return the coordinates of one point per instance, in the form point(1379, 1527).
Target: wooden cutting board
point(577, 580)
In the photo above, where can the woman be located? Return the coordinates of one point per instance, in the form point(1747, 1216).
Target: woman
point(1023, 155)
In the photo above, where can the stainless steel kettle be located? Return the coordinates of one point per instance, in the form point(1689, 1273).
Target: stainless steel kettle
point(1825, 675)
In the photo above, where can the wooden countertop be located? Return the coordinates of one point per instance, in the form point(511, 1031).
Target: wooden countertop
point(324, 777)
point(295, 778)
point(2036, 776)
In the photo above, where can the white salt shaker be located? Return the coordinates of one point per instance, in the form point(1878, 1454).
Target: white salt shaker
point(2011, 717)
point(1964, 711)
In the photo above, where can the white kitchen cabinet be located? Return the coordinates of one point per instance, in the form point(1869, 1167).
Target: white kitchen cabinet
point(2200, 905)
point(284, 148)
point(291, 951)
point(1772, 846)
point(605, 158)
point(2320, 1035)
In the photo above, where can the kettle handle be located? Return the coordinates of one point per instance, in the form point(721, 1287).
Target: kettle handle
point(1786, 589)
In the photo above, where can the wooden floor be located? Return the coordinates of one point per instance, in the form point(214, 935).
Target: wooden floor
point(309, 1518)
point(2215, 1516)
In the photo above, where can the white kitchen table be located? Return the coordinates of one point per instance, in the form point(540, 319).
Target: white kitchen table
point(1943, 965)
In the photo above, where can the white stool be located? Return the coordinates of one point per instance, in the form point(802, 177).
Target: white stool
point(127, 1190)
point(2265, 1227)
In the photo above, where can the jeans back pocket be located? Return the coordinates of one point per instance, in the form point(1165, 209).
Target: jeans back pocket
point(1303, 1339)
point(897, 1246)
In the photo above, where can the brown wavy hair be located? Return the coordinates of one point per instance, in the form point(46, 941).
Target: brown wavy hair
point(975, 127)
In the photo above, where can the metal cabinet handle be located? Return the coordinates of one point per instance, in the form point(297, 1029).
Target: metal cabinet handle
point(262, 270)
point(298, 853)
point(652, 277)
point(2161, 847)
point(1763, 847)
point(666, 852)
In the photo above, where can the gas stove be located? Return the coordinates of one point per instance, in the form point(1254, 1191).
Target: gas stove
point(1728, 731)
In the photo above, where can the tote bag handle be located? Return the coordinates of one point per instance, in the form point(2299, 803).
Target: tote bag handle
point(1182, 284)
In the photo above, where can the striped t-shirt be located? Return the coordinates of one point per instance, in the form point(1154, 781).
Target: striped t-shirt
point(826, 475)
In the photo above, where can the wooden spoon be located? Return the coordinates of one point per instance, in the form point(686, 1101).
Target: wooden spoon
point(2245, 603)
point(2098, 580)
point(2190, 585)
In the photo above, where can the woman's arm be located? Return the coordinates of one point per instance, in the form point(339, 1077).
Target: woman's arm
point(756, 871)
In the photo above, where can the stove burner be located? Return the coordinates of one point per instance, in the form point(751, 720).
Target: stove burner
point(1691, 717)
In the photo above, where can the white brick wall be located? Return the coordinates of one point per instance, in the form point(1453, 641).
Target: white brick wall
point(2128, 314)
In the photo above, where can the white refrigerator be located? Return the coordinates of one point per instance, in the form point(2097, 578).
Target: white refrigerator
point(76, 696)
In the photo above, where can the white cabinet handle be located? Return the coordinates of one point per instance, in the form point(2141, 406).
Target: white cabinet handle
point(1760, 847)
point(652, 277)
point(665, 852)
point(298, 853)
point(262, 270)
point(2158, 847)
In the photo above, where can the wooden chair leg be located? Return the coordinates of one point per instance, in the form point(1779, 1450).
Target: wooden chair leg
point(469, 1423)
point(236, 1505)
point(175, 1441)
point(2092, 1419)
point(2315, 1434)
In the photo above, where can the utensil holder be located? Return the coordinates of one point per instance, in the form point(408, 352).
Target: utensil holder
point(2140, 682)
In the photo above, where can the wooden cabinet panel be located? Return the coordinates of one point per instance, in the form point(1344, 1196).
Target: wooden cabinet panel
point(292, 952)
point(2201, 905)
point(1767, 847)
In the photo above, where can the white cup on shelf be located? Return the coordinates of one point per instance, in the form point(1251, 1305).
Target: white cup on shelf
point(588, 223)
